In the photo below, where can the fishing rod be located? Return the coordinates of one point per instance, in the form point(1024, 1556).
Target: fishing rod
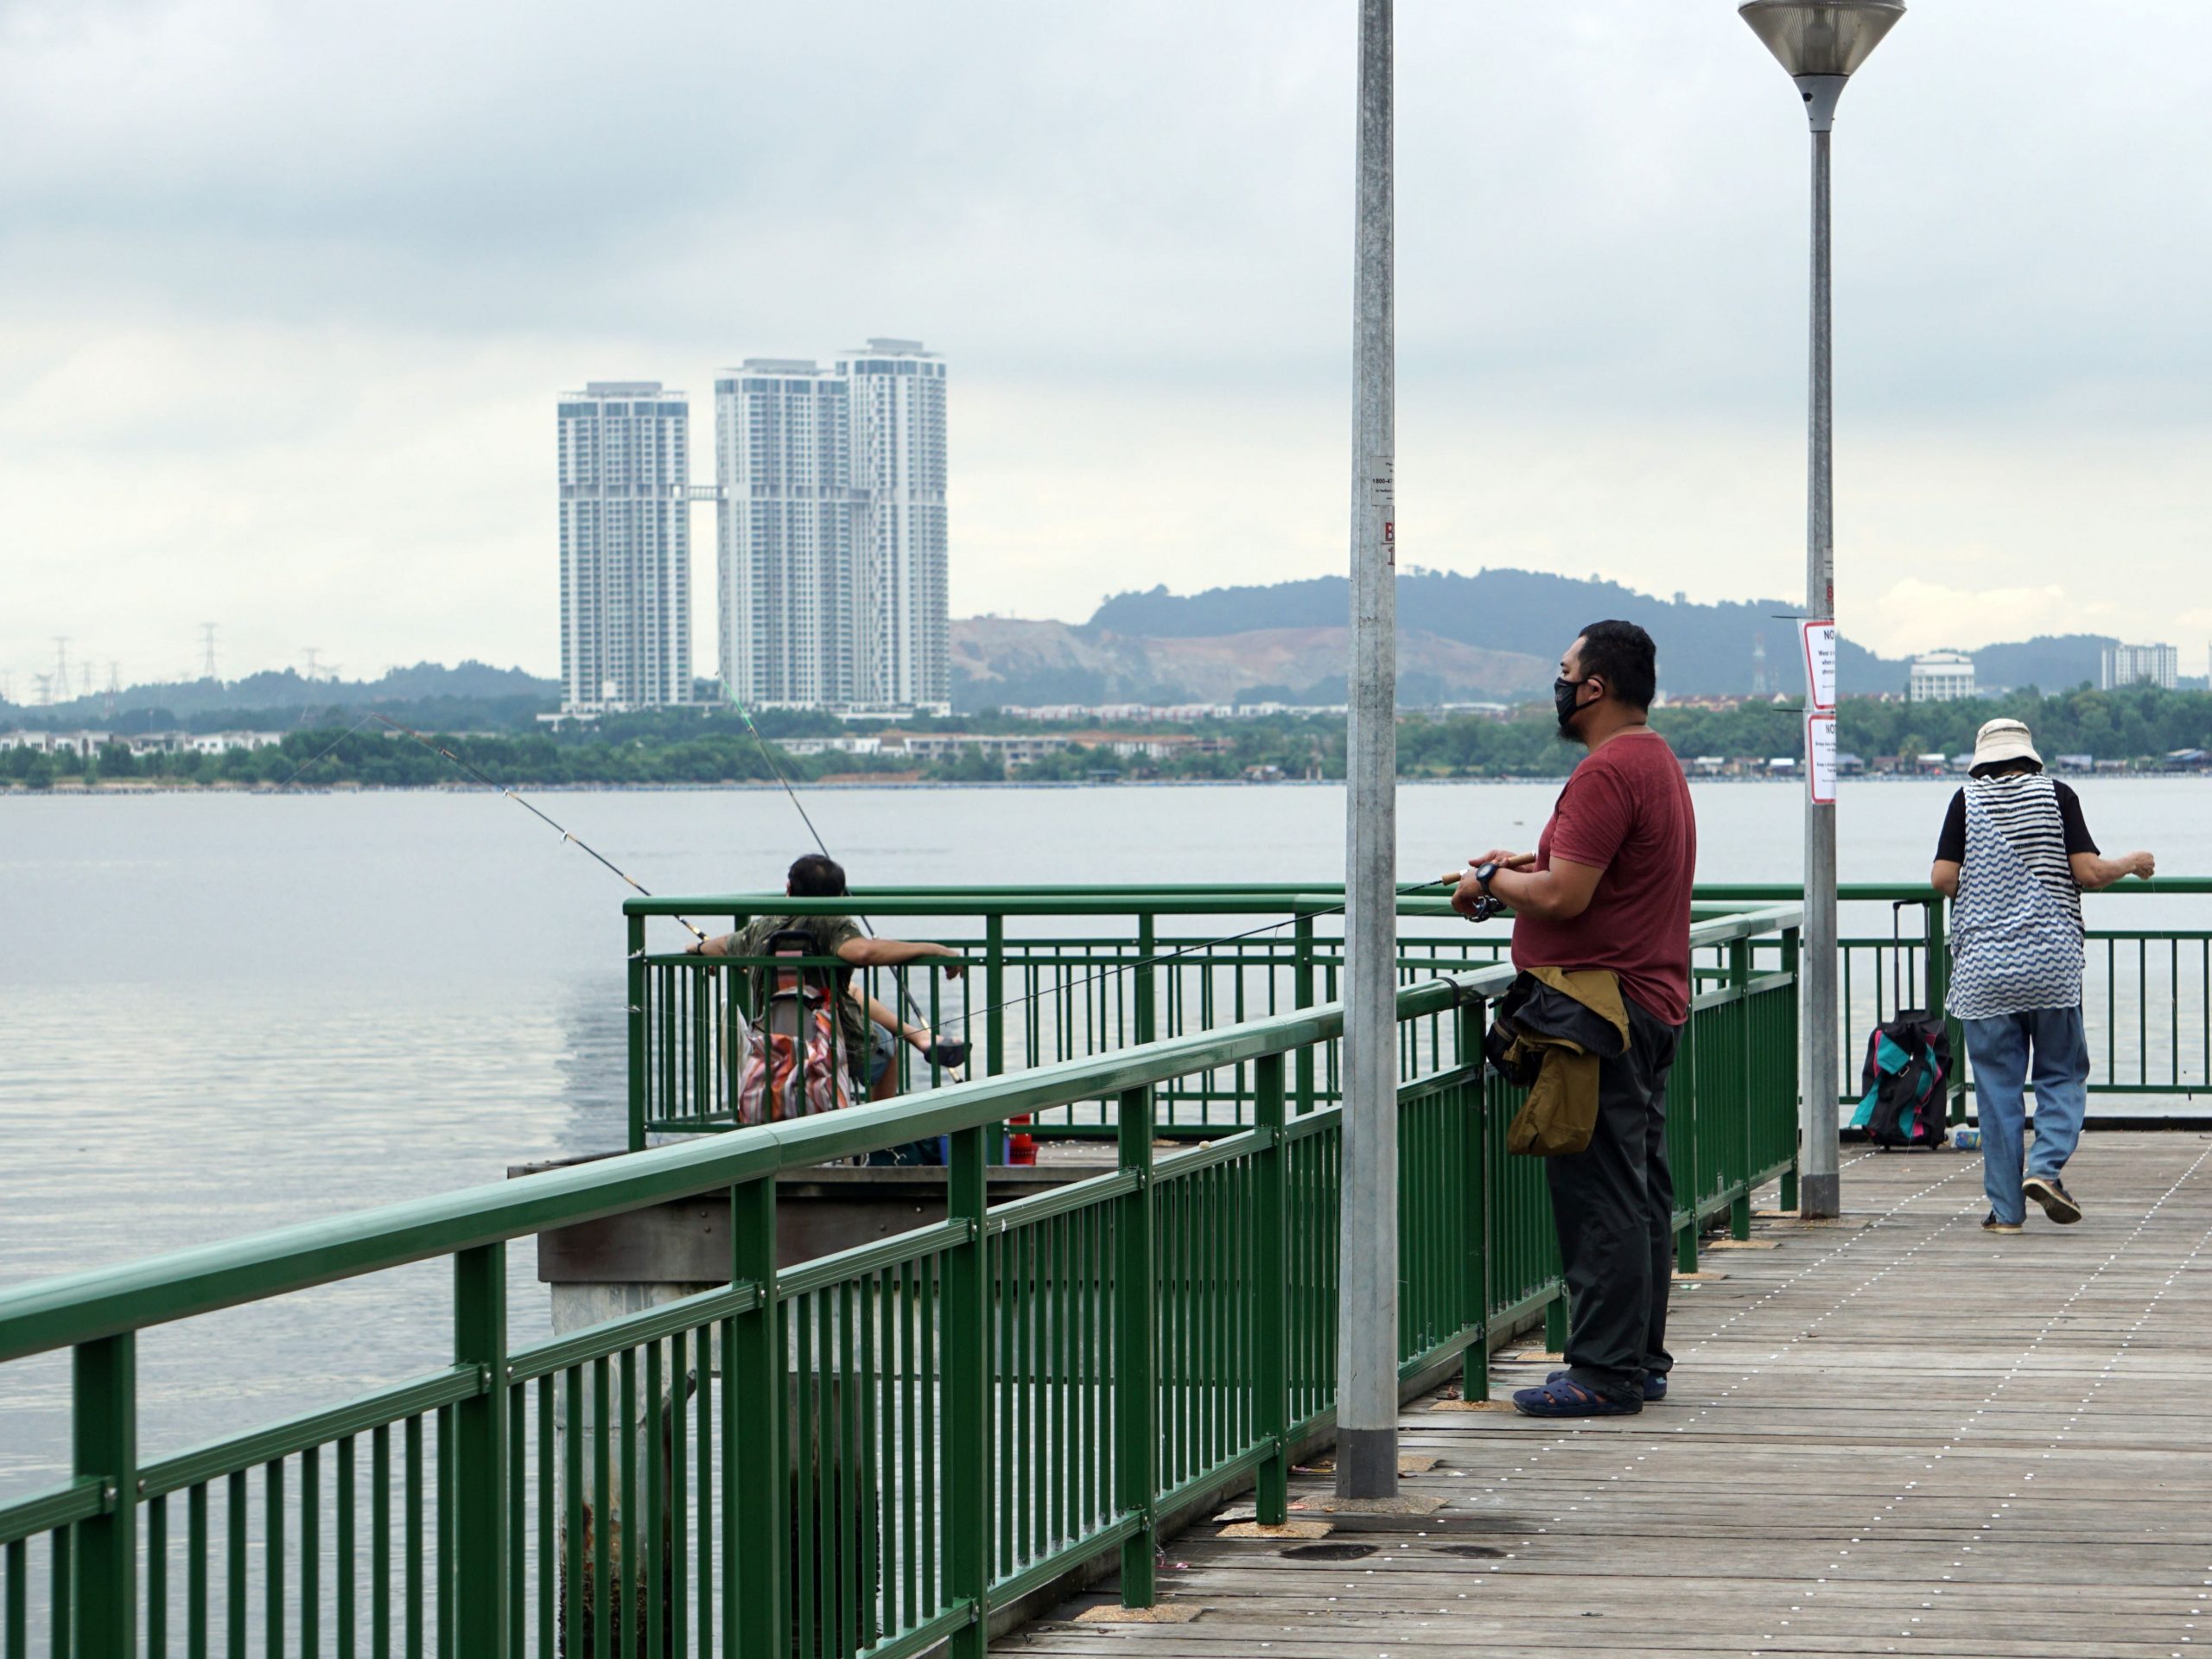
point(968, 1015)
point(565, 834)
point(768, 754)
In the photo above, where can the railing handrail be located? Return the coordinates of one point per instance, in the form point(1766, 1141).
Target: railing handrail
point(72, 1308)
point(1751, 891)
point(1233, 898)
point(1076, 901)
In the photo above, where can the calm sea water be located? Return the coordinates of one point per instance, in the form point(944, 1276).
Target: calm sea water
point(221, 1013)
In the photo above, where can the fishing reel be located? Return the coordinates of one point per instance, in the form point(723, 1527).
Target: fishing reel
point(1489, 904)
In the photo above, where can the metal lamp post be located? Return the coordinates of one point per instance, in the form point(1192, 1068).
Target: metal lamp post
point(1367, 1331)
point(1821, 43)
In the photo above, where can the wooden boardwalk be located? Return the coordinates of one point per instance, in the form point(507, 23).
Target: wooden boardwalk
point(1890, 1433)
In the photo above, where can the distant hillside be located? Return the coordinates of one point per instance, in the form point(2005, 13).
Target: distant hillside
point(2048, 662)
point(471, 692)
point(1704, 650)
point(997, 662)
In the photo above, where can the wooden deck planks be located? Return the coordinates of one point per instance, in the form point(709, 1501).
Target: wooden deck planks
point(1894, 1434)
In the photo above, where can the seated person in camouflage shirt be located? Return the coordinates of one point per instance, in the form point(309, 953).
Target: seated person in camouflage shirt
point(869, 1057)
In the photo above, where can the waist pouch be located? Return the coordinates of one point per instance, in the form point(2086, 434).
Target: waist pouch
point(1547, 1036)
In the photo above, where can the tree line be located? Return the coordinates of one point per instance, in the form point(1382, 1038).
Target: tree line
point(2138, 724)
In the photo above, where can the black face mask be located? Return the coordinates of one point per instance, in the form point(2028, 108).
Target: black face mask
point(1564, 705)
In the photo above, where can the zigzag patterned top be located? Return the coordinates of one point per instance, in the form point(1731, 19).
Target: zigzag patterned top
point(2016, 932)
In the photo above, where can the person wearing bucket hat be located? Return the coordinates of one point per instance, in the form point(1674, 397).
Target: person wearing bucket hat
point(2015, 857)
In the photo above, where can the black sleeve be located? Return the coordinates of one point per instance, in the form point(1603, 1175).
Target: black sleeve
point(1951, 845)
point(2069, 815)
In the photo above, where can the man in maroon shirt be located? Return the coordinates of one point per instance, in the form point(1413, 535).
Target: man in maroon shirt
point(1609, 887)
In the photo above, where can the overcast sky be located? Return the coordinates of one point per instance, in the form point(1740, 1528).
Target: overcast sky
point(288, 292)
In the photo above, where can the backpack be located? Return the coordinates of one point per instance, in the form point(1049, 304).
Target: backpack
point(1907, 1067)
point(794, 1054)
point(1907, 1073)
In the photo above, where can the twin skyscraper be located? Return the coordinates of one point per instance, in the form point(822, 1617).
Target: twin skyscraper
point(829, 534)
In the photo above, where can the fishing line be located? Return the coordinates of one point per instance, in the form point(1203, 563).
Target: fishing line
point(565, 834)
point(968, 1015)
point(342, 736)
point(768, 754)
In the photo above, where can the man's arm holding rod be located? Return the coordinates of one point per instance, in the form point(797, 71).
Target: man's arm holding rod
point(1558, 894)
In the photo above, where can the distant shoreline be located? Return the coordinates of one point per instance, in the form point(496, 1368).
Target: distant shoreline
point(126, 791)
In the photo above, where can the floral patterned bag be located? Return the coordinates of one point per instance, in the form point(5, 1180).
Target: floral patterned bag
point(794, 1059)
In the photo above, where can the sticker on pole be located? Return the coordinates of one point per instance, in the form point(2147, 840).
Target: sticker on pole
point(1820, 665)
point(1819, 758)
point(1382, 497)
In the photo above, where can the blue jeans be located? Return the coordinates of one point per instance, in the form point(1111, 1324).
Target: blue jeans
point(2005, 1050)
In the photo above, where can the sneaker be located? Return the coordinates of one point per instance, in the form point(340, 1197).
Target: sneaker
point(1655, 1384)
point(1990, 1224)
point(2050, 1192)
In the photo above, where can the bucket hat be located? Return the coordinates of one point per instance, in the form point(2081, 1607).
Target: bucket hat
point(1999, 741)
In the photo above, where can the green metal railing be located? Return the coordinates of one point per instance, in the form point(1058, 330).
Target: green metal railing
point(1058, 996)
point(2146, 991)
point(1041, 993)
point(864, 1454)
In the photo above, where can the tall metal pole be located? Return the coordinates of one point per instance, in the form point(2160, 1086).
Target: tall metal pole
point(1820, 44)
point(1819, 1186)
point(1367, 1329)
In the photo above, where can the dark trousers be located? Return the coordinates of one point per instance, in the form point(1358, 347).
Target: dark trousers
point(1614, 1206)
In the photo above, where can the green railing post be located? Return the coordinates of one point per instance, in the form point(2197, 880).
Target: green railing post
point(1740, 977)
point(1556, 1312)
point(1474, 1293)
point(1686, 1238)
point(481, 1452)
point(104, 1432)
point(994, 1020)
point(1135, 1403)
point(1144, 1009)
point(1302, 994)
point(1686, 1088)
point(759, 1460)
point(1270, 1293)
point(964, 1386)
point(1787, 1200)
point(637, 1029)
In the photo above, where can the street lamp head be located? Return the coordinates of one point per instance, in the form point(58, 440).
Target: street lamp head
point(1822, 43)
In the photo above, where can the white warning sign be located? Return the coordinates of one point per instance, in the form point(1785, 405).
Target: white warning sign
point(1820, 665)
point(1819, 758)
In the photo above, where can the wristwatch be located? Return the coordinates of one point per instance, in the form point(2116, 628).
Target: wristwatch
point(1482, 873)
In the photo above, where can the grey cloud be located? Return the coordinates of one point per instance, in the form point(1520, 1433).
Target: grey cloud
point(1598, 201)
